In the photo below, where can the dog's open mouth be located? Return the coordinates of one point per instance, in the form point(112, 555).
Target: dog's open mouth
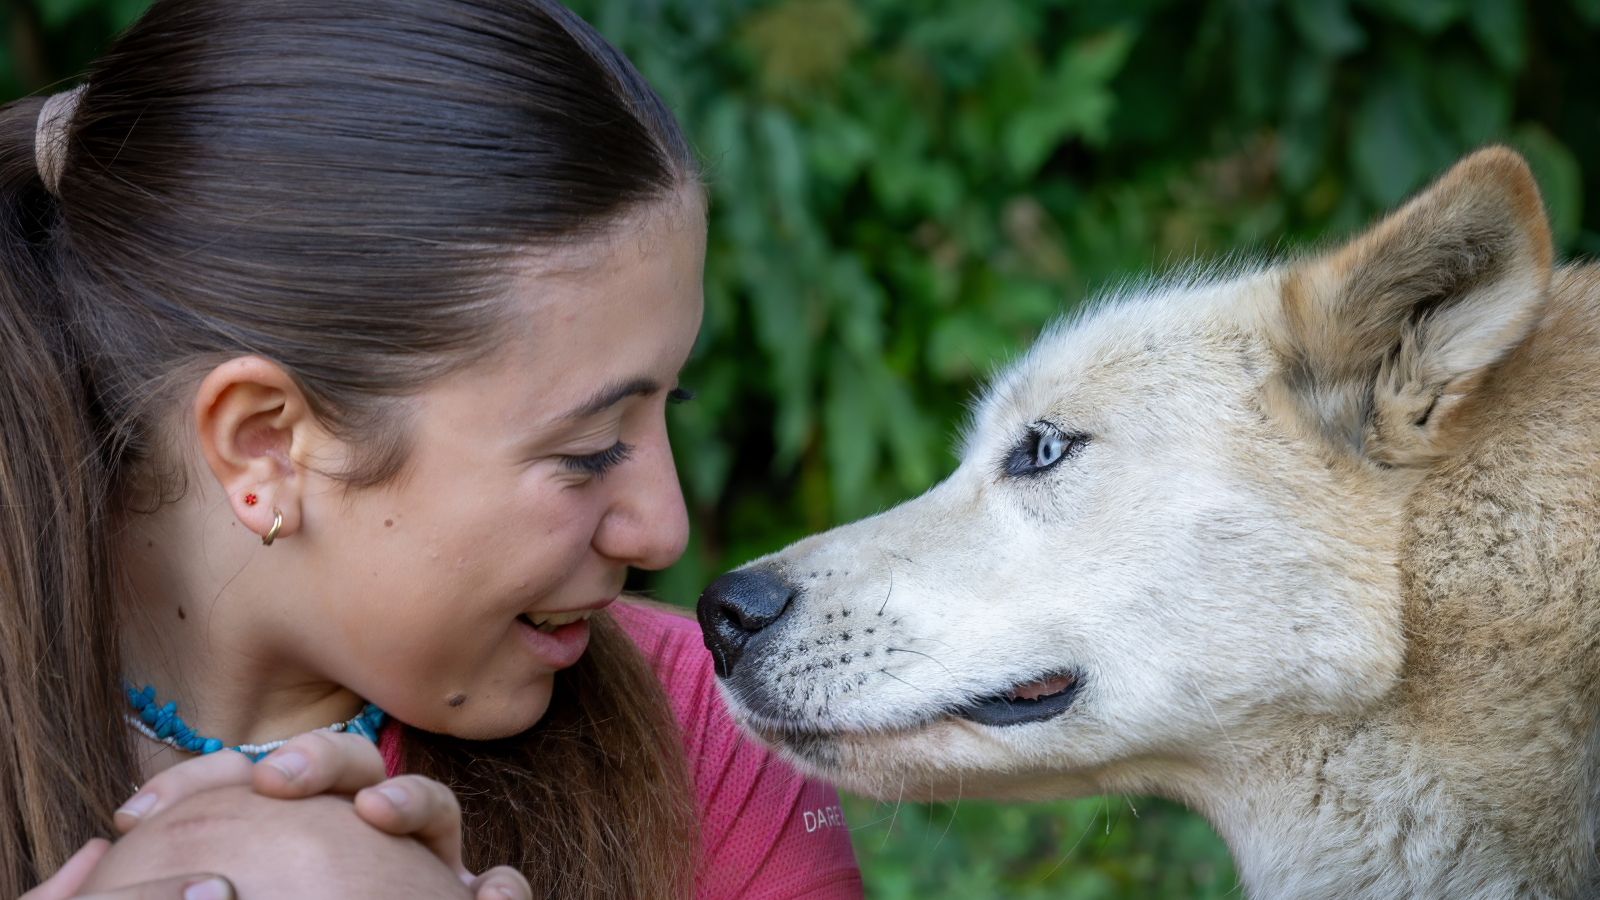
point(1035, 701)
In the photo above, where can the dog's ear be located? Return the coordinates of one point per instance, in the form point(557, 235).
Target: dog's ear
point(1384, 338)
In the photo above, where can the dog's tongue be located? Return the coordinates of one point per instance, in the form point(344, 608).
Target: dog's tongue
point(1044, 687)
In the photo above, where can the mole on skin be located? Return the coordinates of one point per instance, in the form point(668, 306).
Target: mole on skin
point(456, 699)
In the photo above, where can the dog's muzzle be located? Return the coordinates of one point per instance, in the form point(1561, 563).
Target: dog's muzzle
point(736, 607)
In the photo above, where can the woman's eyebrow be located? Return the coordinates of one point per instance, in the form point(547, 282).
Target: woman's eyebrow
point(611, 395)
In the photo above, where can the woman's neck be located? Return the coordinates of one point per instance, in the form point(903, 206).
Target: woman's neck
point(197, 626)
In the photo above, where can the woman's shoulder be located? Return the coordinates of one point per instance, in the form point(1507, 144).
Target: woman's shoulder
point(669, 637)
point(657, 628)
point(768, 832)
point(670, 640)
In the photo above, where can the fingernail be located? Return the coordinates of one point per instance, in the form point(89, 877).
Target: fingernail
point(397, 795)
point(292, 763)
point(504, 892)
point(210, 889)
point(139, 805)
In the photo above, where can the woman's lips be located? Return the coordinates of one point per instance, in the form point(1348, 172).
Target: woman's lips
point(558, 648)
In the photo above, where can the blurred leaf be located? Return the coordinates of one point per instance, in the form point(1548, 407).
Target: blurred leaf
point(965, 346)
point(911, 436)
point(1256, 47)
point(802, 44)
point(1498, 25)
point(849, 417)
point(56, 13)
point(1082, 849)
point(704, 459)
point(1478, 102)
point(786, 167)
point(1395, 145)
point(1327, 26)
point(123, 12)
point(1428, 16)
point(1073, 101)
point(838, 146)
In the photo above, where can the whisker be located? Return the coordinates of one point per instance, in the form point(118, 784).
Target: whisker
point(896, 816)
point(920, 653)
point(1074, 848)
point(901, 680)
point(1214, 716)
point(953, 813)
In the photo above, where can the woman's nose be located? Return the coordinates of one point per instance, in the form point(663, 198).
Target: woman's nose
point(647, 526)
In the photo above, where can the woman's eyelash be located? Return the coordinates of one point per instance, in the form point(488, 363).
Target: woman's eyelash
point(596, 465)
point(680, 395)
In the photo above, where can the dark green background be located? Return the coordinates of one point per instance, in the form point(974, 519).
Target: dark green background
point(905, 191)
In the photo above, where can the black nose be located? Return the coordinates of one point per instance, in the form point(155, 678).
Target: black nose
point(737, 606)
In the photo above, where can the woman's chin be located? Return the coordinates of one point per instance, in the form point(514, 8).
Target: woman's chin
point(480, 718)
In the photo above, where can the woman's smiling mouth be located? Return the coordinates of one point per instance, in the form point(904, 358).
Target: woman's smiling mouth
point(560, 646)
point(558, 637)
point(549, 622)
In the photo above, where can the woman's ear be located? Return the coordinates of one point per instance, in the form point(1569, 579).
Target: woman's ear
point(255, 429)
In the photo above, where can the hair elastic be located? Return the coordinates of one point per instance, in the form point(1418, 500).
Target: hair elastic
point(50, 136)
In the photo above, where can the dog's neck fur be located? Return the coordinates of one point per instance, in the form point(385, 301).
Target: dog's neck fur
point(1500, 576)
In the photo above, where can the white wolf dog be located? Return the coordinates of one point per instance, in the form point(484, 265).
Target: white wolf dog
point(1313, 548)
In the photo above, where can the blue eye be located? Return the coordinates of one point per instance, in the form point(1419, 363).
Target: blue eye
point(596, 465)
point(680, 395)
point(1042, 448)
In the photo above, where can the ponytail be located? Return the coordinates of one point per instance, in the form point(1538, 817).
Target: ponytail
point(65, 763)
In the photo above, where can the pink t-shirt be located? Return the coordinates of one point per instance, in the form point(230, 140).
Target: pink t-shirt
point(766, 833)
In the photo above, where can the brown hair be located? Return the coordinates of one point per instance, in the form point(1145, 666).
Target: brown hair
point(335, 185)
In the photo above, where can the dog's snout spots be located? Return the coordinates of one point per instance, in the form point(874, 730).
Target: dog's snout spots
point(824, 663)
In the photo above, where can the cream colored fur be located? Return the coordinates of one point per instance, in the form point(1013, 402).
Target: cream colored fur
point(1327, 568)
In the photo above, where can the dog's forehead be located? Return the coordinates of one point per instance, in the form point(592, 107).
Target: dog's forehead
point(1142, 348)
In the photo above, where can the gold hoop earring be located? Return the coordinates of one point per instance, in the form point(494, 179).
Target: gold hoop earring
point(277, 525)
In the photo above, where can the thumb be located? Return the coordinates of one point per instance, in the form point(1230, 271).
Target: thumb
point(185, 887)
point(71, 876)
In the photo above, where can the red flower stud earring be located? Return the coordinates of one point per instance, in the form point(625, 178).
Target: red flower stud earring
point(249, 499)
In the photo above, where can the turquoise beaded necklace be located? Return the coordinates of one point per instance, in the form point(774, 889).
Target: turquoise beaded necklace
point(161, 723)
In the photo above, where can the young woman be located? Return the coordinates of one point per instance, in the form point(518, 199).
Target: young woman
point(335, 338)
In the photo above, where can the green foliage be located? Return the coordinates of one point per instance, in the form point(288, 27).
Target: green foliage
point(904, 192)
point(1096, 849)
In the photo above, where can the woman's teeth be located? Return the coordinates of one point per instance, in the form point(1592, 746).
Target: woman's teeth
point(548, 622)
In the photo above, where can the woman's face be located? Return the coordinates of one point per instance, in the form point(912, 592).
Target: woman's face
point(534, 480)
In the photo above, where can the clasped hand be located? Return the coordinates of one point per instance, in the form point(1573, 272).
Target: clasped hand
point(331, 768)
